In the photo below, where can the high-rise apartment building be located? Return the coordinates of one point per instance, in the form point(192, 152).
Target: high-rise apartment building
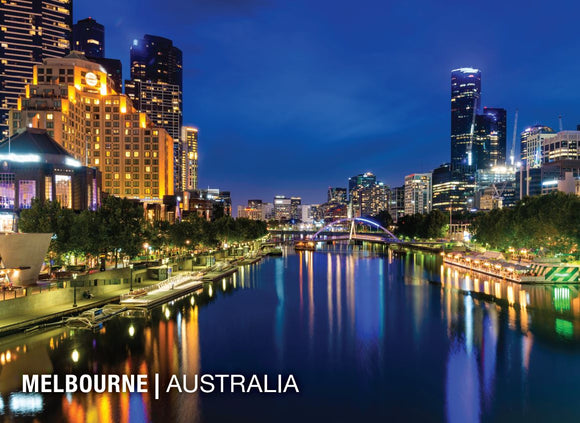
point(465, 103)
point(418, 193)
point(189, 164)
point(89, 37)
point(397, 203)
point(370, 200)
point(362, 180)
point(30, 31)
point(73, 99)
point(156, 88)
point(337, 195)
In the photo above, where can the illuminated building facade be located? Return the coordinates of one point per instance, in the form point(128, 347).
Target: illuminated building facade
point(156, 88)
point(30, 31)
point(449, 191)
point(370, 200)
point(73, 99)
point(282, 208)
point(531, 142)
point(189, 164)
point(337, 195)
point(564, 145)
point(33, 165)
point(418, 193)
point(491, 130)
point(465, 103)
point(362, 180)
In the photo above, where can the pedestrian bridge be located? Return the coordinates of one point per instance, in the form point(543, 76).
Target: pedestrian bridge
point(333, 232)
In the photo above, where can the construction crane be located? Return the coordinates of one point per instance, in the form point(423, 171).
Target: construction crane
point(513, 150)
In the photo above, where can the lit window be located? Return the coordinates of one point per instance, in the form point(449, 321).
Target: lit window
point(49, 116)
point(127, 176)
point(127, 154)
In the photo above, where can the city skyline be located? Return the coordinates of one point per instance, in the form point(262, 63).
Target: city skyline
point(231, 99)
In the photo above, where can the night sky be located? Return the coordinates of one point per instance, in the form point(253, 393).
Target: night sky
point(293, 96)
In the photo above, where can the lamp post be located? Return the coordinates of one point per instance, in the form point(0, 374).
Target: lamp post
point(131, 279)
point(192, 254)
point(74, 289)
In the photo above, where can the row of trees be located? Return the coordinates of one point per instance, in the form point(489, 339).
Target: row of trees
point(549, 223)
point(119, 226)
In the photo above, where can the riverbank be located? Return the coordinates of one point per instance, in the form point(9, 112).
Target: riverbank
point(18, 314)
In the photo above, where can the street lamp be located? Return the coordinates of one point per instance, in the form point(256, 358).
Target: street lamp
point(192, 254)
point(131, 280)
point(74, 289)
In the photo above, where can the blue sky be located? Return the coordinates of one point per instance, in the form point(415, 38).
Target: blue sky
point(292, 97)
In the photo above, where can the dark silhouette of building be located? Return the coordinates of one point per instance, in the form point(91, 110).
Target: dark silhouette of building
point(491, 131)
point(89, 37)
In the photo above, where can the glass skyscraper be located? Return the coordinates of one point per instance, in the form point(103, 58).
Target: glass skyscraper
point(30, 31)
point(465, 103)
point(89, 37)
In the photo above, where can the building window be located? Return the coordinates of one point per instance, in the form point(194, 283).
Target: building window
point(63, 186)
point(6, 190)
point(26, 192)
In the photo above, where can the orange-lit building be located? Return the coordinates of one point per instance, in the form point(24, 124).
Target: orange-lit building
point(74, 100)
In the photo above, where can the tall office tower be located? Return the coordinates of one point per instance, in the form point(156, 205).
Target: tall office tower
point(418, 193)
point(72, 98)
point(189, 164)
point(30, 31)
point(282, 208)
point(531, 141)
point(89, 37)
point(448, 189)
point(496, 125)
point(296, 208)
point(465, 103)
point(362, 180)
point(370, 200)
point(156, 88)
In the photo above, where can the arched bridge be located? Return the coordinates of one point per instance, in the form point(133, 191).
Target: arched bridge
point(327, 234)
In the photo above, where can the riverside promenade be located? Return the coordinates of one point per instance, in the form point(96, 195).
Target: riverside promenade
point(38, 310)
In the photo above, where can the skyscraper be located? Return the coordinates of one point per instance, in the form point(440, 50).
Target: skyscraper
point(418, 193)
point(366, 180)
point(31, 30)
point(156, 88)
point(89, 37)
point(531, 141)
point(465, 103)
point(491, 130)
point(189, 136)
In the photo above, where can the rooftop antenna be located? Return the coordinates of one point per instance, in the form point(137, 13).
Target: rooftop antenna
point(560, 122)
point(513, 150)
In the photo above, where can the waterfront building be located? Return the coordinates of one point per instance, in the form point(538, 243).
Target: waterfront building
point(397, 203)
point(33, 165)
point(337, 195)
point(31, 30)
point(221, 198)
point(156, 88)
point(465, 103)
point(449, 190)
point(74, 100)
point(282, 208)
point(418, 193)
point(531, 141)
point(189, 165)
point(89, 37)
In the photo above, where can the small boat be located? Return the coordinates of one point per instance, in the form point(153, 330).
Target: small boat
point(94, 317)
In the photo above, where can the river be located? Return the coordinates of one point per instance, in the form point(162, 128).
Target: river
point(367, 336)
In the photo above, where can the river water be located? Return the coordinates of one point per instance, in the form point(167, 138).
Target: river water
point(367, 335)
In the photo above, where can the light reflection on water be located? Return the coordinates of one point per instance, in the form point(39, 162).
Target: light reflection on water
point(366, 334)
